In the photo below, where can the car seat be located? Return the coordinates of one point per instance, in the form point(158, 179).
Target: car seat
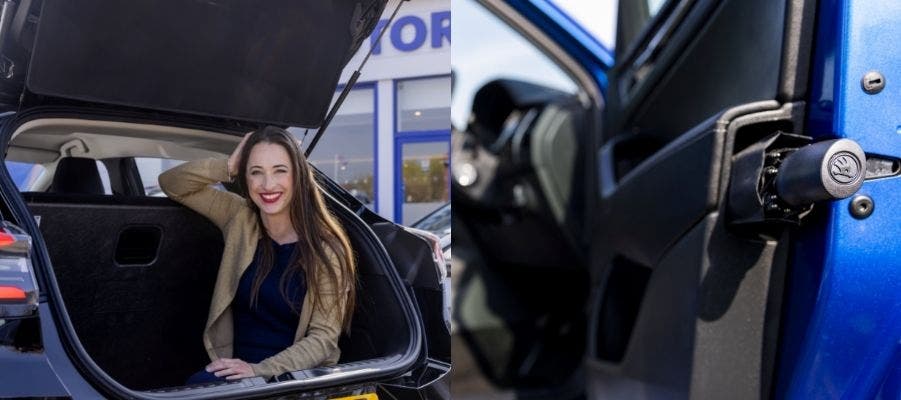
point(76, 175)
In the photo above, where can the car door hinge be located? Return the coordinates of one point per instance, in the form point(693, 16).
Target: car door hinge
point(779, 179)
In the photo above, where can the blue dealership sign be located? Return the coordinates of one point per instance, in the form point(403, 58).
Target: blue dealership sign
point(437, 30)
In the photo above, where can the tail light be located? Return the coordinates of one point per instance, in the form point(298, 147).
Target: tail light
point(18, 287)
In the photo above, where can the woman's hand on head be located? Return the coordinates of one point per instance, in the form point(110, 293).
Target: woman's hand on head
point(230, 368)
point(235, 158)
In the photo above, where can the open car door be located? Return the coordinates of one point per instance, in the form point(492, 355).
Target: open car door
point(728, 173)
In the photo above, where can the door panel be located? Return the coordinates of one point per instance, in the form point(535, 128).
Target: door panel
point(705, 81)
point(717, 45)
point(705, 321)
point(686, 174)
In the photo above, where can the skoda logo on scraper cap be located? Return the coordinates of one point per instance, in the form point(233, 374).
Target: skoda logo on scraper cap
point(844, 167)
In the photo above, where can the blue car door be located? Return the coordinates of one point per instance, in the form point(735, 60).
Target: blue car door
point(744, 239)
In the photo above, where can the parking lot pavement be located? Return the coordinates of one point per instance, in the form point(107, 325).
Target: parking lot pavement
point(467, 382)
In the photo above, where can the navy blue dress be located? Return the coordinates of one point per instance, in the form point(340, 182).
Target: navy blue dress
point(267, 328)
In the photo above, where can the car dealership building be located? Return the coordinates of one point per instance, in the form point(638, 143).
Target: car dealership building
point(390, 141)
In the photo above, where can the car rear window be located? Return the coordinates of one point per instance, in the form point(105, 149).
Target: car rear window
point(24, 174)
point(150, 170)
point(27, 175)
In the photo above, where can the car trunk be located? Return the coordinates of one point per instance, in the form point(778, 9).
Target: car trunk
point(135, 274)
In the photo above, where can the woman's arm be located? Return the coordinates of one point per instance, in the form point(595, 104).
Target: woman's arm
point(189, 184)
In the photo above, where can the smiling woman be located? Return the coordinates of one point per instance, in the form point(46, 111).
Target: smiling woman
point(269, 179)
point(290, 258)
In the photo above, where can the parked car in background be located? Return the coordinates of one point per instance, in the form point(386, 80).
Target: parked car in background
point(438, 222)
point(707, 209)
point(104, 285)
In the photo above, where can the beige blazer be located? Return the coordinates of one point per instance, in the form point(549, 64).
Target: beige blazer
point(316, 339)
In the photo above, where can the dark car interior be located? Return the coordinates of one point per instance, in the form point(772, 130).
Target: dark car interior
point(136, 274)
point(523, 142)
point(653, 282)
point(519, 228)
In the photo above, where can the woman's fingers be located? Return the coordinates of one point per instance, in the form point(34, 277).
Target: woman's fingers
point(220, 364)
point(230, 368)
point(236, 372)
point(236, 155)
point(238, 375)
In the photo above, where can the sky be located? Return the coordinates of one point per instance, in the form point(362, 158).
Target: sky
point(484, 49)
point(596, 16)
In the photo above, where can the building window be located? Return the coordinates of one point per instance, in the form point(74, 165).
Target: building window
point(424, 169)
point(423, 104)
point(422, 147)
point(346, 150)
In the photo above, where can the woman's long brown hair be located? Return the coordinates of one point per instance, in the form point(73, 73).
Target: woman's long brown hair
point(321, 242)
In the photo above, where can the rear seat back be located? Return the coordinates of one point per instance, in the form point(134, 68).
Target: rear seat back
point(141, 323)
point(77, 175)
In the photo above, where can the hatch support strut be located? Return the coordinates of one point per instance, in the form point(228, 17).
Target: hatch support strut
point(350, 84)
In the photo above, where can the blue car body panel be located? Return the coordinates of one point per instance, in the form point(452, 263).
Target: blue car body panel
point(849, 270)
point(51, 367)
point(22, 369)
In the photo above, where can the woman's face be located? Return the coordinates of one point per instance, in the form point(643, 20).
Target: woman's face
point(270, 179)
